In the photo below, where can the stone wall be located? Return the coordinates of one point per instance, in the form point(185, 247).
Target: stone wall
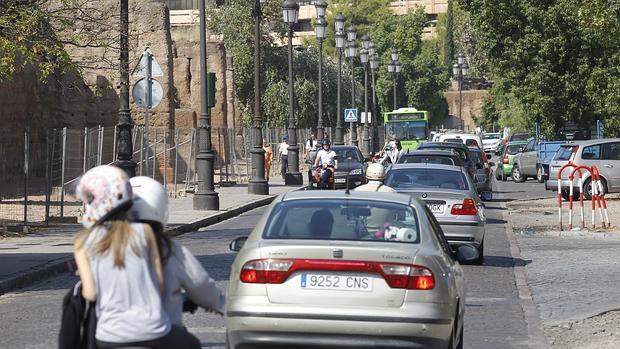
point(472, 104)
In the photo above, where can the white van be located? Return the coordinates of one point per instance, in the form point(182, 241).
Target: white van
point(469, 139)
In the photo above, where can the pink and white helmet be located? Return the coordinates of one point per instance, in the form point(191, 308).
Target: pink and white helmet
point(104, 190)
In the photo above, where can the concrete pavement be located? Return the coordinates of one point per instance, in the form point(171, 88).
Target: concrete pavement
point(48, 251)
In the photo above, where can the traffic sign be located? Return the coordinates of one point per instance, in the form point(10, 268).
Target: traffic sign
point(141, 70)
point(366, 117)
point(140, 90)
point(350, 115)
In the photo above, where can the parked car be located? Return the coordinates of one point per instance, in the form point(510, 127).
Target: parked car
point(504, 167)
point(469, 139)
point(450, 194)
point(518, 137)
point(528, 162)
point(602, 153)
point(364, 270)
point(460, 148)
point(490, 141)
point(484, 176)
point(546, 152)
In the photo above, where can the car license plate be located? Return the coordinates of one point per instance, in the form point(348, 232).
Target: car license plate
point(436, 208)
point(340, 180)
point(336, 282)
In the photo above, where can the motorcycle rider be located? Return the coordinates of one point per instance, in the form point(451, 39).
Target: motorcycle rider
point(326, 158)
point(375, 173)
point(183, 273)
point(120, 268)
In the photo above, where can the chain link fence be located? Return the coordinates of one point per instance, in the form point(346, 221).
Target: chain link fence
point(39, 169)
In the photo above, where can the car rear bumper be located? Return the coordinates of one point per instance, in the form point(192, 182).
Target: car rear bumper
point(340, 180)
point(256, 330)
point(463, 233)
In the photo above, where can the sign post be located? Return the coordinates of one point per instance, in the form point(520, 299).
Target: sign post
point(350, 116)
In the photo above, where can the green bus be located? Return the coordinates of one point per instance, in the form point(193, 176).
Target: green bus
point(407, 124)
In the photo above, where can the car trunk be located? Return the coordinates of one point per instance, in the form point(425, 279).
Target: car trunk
point(441, 202)
point(324, 268)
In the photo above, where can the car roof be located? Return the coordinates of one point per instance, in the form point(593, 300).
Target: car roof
point(344, 147)
point(431, 151)
point(442, 144)
point(338, 194)
point(596, 141)
point(517, 143)
point(427, 165)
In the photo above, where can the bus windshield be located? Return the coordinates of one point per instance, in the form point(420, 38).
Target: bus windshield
point(407, 130)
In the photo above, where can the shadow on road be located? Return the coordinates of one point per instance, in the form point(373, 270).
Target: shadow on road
point(496, 221)
point(504, 262)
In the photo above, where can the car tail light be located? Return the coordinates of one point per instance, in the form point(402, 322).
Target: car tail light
point(411, 277)
point(467, 208)
point(266, 271)
point(505, 160)
point(277, 271)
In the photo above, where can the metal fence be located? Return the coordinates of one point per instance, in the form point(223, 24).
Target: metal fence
point(39, 169)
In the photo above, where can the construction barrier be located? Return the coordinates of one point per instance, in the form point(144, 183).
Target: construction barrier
point(597, 199)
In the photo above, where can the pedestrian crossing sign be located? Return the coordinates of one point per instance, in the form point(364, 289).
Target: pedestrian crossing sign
point(350, 115)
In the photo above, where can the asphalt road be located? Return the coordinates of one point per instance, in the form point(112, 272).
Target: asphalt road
point(494, 317)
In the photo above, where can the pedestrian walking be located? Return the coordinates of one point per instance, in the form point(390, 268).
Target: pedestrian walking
point(268, 158)
point(283, 152)
point(120, 268)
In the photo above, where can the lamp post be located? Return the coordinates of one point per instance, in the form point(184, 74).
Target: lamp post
point(125, 124)
point(374, 64)
point(321, 25)
point(258, 184)
point(394, 69)
point(459, 70)
point(364, 60)
point(205, 198)
point(351, 53)
point(290, 11)
point(340, 45)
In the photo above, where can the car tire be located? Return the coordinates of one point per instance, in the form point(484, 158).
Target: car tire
point(503, 176)
point(497, 173)
point(539, 175)
point(480, 258)
point(565, 194)
point(587, 192)
point(517, 177)
point(460, 345)
point(547, 186)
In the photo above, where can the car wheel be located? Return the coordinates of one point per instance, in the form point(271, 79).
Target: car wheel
point(539, 175)
point(516, 175)
point(480, 258)
point(497, 173)
point(565, 194)
point(587, 188)
point(503, 176)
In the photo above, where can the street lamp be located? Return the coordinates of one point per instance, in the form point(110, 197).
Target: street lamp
point(205, 198)
point(290, 12)
point(374, 64)
point(320, 26)
point(394, 69)
point(364, 61)
point(460, 70)
point(320, 6)
point(340, 45)
point(351, 53)
point(258, 184)
point(125, 124)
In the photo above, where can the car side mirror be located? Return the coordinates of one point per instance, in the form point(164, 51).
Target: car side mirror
point(489, 156)
point(237, 244)
point(467, 253)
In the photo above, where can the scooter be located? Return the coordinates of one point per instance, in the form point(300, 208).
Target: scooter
point(318, 172)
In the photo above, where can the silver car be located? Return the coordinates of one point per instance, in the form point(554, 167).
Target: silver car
point(339, 269)
point(602, 153)
point(450, 194)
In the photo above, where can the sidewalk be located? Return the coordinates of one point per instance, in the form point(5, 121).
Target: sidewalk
point(43, 253)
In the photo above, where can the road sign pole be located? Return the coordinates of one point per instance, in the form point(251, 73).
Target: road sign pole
point(149, 103)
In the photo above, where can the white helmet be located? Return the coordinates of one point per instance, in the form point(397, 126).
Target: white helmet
point(150, 201)
point(104, 190)
point(375, 172)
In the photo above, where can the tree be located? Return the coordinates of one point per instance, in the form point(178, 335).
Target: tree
point(448, 42)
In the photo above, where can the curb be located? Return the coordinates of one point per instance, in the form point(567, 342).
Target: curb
point(574, 234)
point(66, 264)
point(530, 311)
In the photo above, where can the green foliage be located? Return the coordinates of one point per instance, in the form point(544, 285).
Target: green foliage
point(448, 41)
point(548, 61)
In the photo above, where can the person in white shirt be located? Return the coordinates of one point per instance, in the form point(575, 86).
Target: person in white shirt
point(311, 144)
point(326, 158)
point(283, 152)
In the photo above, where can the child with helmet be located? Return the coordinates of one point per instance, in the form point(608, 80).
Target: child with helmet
point(120, 268)
point(184, 276)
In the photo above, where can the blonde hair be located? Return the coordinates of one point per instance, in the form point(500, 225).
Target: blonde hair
point(119, 235)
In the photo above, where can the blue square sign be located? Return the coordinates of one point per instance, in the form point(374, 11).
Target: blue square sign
point(350, 115)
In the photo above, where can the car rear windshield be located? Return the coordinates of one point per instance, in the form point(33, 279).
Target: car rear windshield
point(414, 178)
point(460, 151)
point(514, 149)
point(564, 153)
point(426, 159)
point(476, 155)
point(491, 136)
point(519, 137)
point(343, 219)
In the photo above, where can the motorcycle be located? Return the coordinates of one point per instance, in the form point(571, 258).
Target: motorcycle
point(318, 172)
